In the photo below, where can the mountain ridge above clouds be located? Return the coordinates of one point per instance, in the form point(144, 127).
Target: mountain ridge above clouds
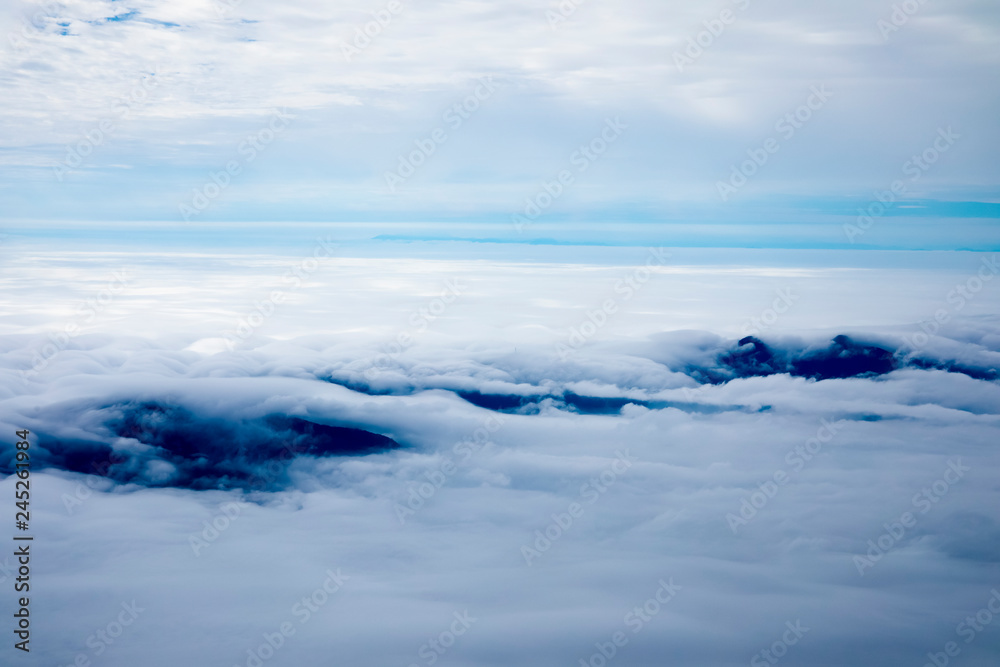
point(152, 416)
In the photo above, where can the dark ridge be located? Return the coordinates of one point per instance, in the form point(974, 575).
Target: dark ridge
point(593, 405)
point(752, 358)
point(990, 374)
point(586, 405)
point(172, 429)
point(207, 453)
point(845, 359)
point(498, 402)
point(322, 440)
point(203, 452)
point(509, 403)
point(708, 375)
point(83, 456)
point(363, 388)
point(698, 408)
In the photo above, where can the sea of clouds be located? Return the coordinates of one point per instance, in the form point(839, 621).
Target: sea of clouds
point(669, 456)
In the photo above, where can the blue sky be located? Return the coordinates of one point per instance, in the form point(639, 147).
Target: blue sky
point(124, 111)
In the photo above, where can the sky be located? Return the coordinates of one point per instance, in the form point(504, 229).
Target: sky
point(124, 112)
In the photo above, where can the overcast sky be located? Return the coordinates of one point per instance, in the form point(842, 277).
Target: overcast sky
point(181, 86)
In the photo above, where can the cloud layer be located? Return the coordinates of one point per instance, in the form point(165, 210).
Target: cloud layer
point(757, 496)
point(144, 102)
point(358, 446)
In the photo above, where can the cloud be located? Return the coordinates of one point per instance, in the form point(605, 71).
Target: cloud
point(760, 474)
point(272, 417)
point(183, 435)
point(181, 86)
